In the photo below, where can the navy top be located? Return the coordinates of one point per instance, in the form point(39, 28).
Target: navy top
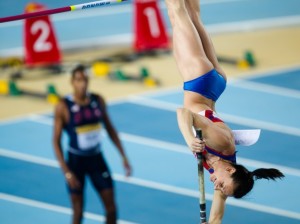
point(84, 125)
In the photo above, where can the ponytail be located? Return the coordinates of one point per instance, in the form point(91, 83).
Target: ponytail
point(244, 179)
point(267, 174)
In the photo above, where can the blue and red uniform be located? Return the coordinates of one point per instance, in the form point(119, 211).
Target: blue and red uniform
point(84, 151)
point(232, 158)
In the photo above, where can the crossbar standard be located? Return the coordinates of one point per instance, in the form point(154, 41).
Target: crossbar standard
point(83, 6)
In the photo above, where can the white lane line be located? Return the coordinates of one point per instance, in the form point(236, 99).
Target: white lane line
point(261, 124)
point(154, 103)
point(29, 158)
point(254, 24)
point(231, 201)
point(54, 208)
point(227, 117)
point(178, 148)
point(162, 187)
point(119, 100)
point(267, 88)
point(173, 90)
point(21, 118)
point(184, 150)
point(269, 72)
point(161, 92)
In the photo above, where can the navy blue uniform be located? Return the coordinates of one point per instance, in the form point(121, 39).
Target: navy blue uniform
point(84, 152)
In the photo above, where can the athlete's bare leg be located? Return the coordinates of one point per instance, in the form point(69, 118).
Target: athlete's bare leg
point(77, 205)
point(193, 8)
point(188, 48)
point(109, 204)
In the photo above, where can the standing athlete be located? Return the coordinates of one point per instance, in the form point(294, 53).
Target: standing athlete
point(81, 115)
point(204, 82)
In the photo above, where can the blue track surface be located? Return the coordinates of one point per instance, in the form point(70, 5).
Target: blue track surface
point(164, 185)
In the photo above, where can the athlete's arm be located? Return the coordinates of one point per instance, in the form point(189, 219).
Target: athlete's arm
point(217, 208)
point(58, 127)
point(114, 136)
point(186, 121)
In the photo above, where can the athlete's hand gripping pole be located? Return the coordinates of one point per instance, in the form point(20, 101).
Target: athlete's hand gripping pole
point(202, 201)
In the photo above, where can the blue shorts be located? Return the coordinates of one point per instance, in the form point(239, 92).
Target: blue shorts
point(211, 85)
point(93, 166)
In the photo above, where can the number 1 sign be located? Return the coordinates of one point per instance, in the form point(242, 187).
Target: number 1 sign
point(150, 31)
point(40, 44)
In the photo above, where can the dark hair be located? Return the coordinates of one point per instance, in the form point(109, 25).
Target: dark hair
point(78, 68)
point(244, 179)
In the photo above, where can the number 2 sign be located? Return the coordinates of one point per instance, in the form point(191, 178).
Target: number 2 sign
point(40, 44)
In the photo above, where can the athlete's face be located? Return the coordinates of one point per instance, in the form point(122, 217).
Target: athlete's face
point(222, 180)
point(80, 83)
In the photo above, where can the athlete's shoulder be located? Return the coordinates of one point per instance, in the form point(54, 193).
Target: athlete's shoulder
point(99, 97)
point(61, 106)
point(96, 95)
point(92, 94)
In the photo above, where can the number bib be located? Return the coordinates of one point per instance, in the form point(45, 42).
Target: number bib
point(88, 136)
